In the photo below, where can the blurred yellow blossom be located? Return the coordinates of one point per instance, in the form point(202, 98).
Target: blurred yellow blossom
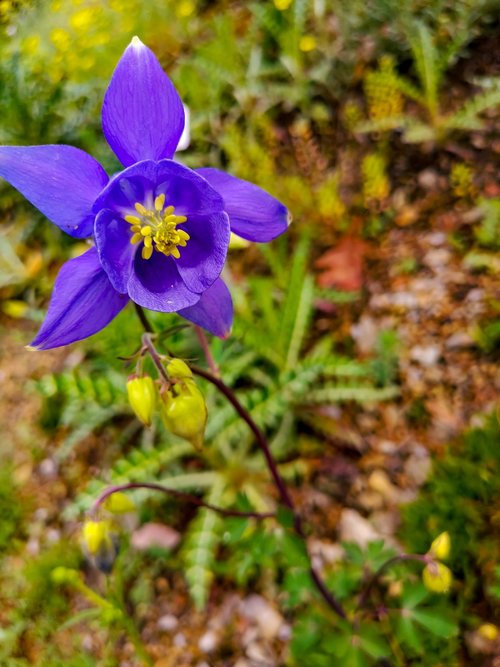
point(307, 43)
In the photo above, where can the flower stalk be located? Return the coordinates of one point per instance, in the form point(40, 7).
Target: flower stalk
point(285, 497)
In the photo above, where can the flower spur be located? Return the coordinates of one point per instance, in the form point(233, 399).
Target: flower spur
point(160, 230)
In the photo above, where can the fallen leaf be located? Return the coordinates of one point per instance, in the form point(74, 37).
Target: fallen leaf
point(342, 267)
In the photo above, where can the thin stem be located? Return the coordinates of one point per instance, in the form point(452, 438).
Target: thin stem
point(278, 480)
point(143, 318)
point(206, 350)
point(259, 436)
point(400, 558)
point(178, 494)
point(285, 496)
point(155, 357)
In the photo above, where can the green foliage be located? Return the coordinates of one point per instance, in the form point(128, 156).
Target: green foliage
point(12, 510)
point(462, 497)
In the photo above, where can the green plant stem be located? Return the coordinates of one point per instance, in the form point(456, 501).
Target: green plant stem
point(135, 638)
point(178, 494)
point(285, 496)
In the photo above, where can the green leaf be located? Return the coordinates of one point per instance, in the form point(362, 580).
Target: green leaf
point(285, 517)
point(436, 622)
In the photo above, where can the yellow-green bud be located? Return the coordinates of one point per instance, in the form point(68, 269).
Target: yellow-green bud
point(184, 412)
point(488, 631)
point(437, 577)
point(100, 542)
point(441, 546)
point(119, 503)
point(178, 370)
point(95, 534)
point(142, 397)
point(64, 575)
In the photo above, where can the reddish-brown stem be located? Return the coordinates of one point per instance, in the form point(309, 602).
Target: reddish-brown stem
point(206, 350)
point(365, 593)
point(194, 500)
point(285, 496)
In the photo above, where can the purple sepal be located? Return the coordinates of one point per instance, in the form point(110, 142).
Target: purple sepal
point(214, 311)
point(61, 181)
point(142, 113)
point(253, 213)
point(83, 302)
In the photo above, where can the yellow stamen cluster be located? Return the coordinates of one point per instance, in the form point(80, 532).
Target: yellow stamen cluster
point(158, 229)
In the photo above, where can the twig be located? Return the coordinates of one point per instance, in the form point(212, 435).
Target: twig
point(178, 494)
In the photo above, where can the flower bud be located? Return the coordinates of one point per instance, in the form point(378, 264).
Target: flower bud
point(437, 577)
point(64, 575)
point(441, 546)
point(100, 542)
point(488, 631)
point(184, 412)
point(178, 370)
point(119, 503)
point(142, 397)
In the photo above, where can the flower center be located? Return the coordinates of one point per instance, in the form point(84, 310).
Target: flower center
point(158, 229)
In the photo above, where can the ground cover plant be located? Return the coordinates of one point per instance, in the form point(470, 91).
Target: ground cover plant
point(277, 443)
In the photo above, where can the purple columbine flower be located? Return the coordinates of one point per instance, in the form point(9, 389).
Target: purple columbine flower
point(161, 230)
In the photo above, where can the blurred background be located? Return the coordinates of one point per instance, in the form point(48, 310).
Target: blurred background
point(365, 340)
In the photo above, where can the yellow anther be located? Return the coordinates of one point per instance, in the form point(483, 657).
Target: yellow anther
point(141, 209)
point(132, 219)
point(157, 229)
point(160, 202)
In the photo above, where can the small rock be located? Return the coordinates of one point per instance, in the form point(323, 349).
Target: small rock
point(167, 623)
point(437, 258)
point(208, 642)
point(257, 653)
point(258, 610)
point(48, 469)
point(428, 179)
point(179, 640)
point(365, 333)
point(458, 340)
point(436, 238)
point(418, 467)
point(355, 528)
point(426, 355)
point(155, 535)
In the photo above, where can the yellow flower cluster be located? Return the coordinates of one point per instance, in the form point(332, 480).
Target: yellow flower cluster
point(70, 39)
point(462, 181)
point(382, 94)
point(376, 185)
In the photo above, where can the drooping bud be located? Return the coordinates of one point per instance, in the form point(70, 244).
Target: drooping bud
point(441, 546)
point(437, 577)
point(100, 543)
point(178, 370)
point(142, 397)
point(184, 412)
point(119, 503)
